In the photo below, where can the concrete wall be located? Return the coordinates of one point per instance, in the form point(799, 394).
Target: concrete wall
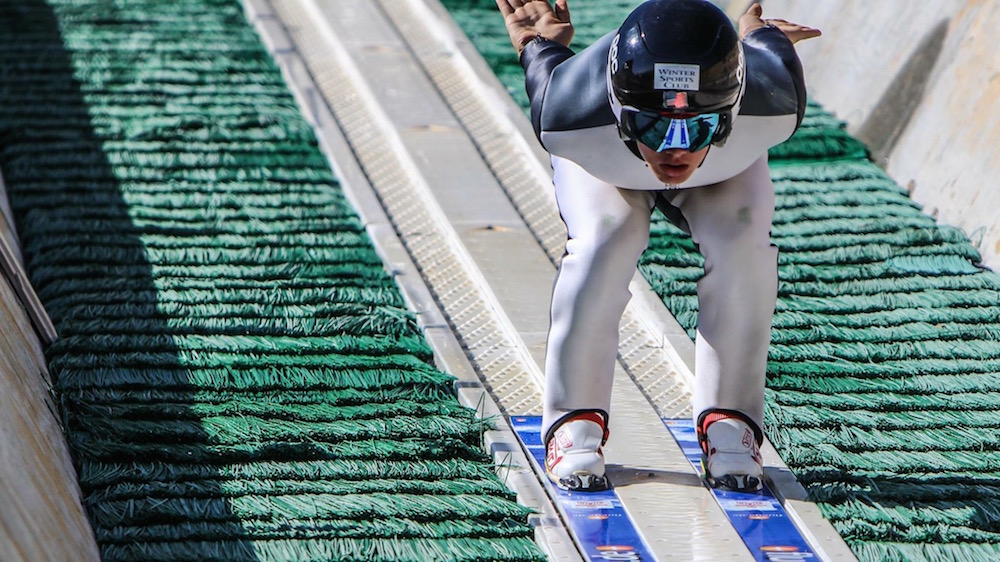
point(41, 515)
point(919, 83)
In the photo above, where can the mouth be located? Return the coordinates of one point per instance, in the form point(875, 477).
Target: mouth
point(671, 170)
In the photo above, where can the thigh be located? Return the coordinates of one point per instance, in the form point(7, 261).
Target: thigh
point(738, 209)
point(597, 211)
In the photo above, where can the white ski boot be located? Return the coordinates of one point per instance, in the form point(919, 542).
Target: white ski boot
point(730, 442)
point(573, 457)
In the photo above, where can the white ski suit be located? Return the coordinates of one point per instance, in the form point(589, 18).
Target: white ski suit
point(606, 193)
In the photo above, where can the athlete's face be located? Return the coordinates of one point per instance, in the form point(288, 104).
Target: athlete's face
point(673, 166)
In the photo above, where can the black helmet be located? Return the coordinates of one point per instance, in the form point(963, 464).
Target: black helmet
point(676, 57)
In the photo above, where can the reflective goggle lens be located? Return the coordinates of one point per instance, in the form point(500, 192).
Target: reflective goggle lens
point(662, 132)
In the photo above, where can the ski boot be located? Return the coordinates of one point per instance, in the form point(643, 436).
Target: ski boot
point(573, 457)
point(730, 445)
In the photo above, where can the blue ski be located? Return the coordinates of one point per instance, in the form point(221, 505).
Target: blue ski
point(758, 517)
point(602, 528)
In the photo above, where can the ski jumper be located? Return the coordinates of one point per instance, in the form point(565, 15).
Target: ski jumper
point(606, 193)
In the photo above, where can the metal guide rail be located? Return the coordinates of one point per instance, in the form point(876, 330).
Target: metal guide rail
point(455, 193)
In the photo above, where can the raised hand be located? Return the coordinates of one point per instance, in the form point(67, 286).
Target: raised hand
point(527, 19)
point(795, 32)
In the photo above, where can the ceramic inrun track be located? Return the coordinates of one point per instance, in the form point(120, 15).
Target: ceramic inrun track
point(445, 171)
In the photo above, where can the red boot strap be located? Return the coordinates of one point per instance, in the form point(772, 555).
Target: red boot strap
point(708, 417)
point(600, 417)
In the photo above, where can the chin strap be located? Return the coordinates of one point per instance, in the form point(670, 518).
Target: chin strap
point(634, 147)
point(706, 155)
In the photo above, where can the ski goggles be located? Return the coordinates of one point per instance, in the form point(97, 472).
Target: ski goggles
point(664, 132)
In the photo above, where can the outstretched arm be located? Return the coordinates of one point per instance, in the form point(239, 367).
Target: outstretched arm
point(527, 19)
point(777, 38)
point(752, 20)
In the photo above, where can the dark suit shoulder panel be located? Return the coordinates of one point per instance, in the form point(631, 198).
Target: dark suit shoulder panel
point(577, 94)
point(775, 81)
point(539, 58)
point(769, 88)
